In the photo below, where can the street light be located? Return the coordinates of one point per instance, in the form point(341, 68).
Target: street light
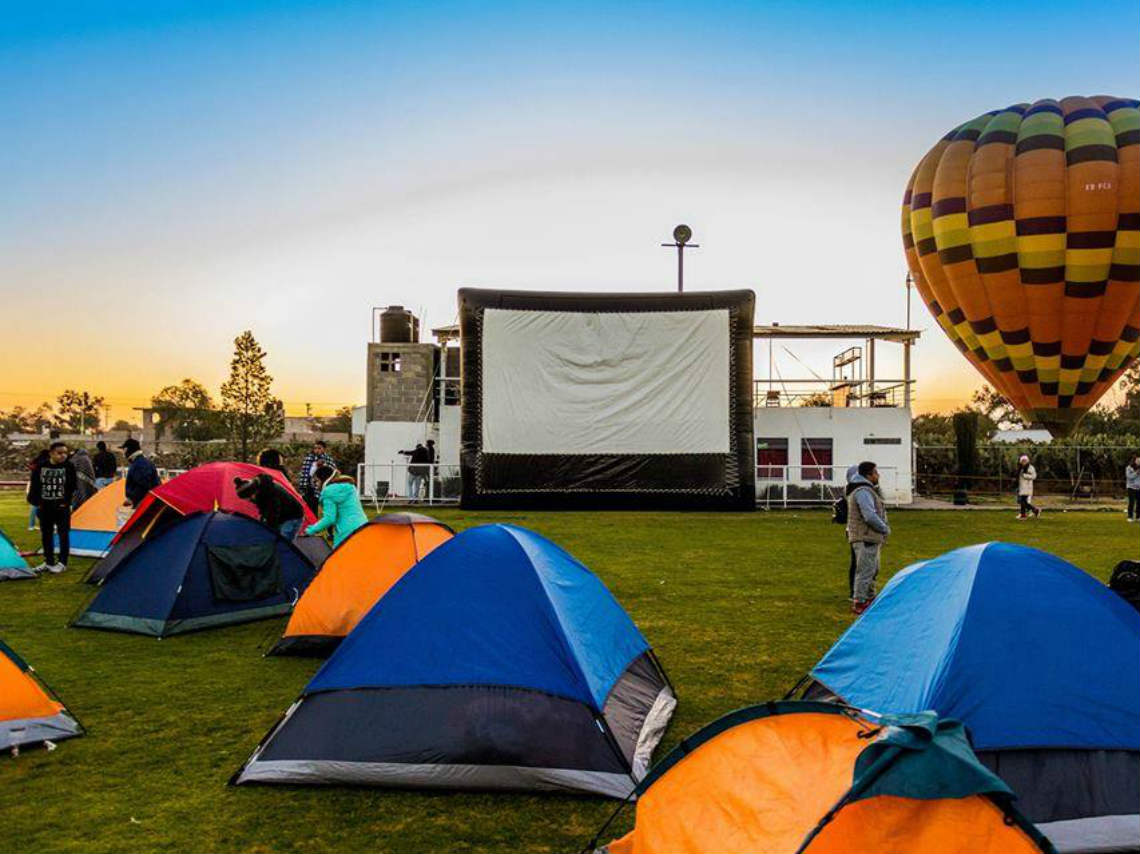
point(682, 234)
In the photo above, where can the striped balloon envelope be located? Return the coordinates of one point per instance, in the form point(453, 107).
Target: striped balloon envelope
point(1022, 234)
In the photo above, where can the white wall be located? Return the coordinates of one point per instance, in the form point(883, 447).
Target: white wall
point(849, 429)
point(359, 420)
point(383, 441)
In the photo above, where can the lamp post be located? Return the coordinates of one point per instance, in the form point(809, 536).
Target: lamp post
point(682, 234)
point(909, 285)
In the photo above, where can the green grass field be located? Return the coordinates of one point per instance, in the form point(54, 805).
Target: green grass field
point(737, 606)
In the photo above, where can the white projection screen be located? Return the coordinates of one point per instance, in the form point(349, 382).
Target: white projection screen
point(606, 400)
point(560, 382)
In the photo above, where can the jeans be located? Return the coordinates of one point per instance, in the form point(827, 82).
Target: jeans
point(1025, 505)
point(55, 520)
point(866, 570)
point(100, 482)
point(288, 529)
point(1134, 504)
point(415, 484)
point(32, 516)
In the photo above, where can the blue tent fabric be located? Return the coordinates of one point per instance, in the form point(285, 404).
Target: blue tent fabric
point(13, 567)
point(496, 662)
point(164, 586)
point(556, 628)
point(1024, 648)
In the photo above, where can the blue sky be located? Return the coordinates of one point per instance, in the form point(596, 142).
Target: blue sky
point(177, 172)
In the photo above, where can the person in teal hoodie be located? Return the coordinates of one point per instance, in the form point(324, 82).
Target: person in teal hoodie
point(341, 509)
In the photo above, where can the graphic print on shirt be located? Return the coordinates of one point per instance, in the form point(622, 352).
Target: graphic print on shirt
point(53, 483)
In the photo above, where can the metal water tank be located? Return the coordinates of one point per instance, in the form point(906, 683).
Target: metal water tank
point(397, 325)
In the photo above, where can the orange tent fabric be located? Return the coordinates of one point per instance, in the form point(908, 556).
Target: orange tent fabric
point(97, 520)
point(354, 577)
point(800, 777)
point(28, 713)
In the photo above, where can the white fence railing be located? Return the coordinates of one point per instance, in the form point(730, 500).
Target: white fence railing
point(779, 486)
point(408, 483)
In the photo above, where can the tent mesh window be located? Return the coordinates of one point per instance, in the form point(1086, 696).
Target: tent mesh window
point(244, 573)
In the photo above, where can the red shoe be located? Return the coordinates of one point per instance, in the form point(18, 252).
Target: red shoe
point(860, 607)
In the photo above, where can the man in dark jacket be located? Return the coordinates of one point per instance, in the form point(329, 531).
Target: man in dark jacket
point(276, 507)
point(51, 490)
point(105, 465)
point(419, 467)
point(142, 476)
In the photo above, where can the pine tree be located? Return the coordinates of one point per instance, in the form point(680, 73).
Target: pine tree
point(251, 412)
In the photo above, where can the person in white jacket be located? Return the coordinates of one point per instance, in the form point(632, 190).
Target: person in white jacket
point(1026, 474)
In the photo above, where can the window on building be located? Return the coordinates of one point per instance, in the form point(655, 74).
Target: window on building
point(771, 458)
point(815, 457)
point(389, 363)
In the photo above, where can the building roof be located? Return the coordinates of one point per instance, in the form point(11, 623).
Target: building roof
point(842, 330)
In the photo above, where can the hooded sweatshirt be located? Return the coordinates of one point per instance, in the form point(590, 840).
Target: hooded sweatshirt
point(340, 509)
point(85, 477)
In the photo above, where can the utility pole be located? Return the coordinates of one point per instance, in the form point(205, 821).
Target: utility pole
point(682, 234)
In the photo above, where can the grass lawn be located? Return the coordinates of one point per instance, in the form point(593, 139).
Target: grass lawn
point(737, 606)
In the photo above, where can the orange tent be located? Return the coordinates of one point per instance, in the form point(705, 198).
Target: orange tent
point(825, 779)
point(98, 519)
point(29, 714)
point(354, 577)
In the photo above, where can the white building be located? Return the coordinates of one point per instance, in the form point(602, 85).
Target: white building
point(810, 430)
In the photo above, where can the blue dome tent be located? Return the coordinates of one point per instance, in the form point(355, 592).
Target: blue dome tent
point(204, 570)
point(1040, 661)
point(497, 662)
point(12, 565)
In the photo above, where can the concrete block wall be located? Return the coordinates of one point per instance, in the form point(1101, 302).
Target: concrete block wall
point(400, 395)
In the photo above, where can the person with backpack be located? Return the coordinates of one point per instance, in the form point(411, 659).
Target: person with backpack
point(867, 531)
point(52, 489)
point(1026, 474)
point(341, 509)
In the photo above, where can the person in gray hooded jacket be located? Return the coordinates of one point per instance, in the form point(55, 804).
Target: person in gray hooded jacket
point(867, 531)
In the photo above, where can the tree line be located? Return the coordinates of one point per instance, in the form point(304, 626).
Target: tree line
point(247, 413)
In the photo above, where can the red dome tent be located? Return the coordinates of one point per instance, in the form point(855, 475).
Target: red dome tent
point(203, 489)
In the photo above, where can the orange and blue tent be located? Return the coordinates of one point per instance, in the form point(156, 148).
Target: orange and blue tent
point(819, 778)
point(361, 570)
point(29, 714)
point(95, 523)
point(12, 564)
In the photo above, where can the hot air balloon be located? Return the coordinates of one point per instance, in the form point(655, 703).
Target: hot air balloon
point(1022, 234)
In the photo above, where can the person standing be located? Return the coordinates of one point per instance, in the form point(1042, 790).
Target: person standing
point(1132, 485)
point(419, 465)
point(142, 476)
point(340, 505)
point(841, 508)
point(276, 506)
point(85, 477)
point(1026, 474)
point(51, 491)
point(306, 482)
point(105, 465)
point(867, 531)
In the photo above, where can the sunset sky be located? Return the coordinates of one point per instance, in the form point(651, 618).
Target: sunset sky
point(176, 172)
